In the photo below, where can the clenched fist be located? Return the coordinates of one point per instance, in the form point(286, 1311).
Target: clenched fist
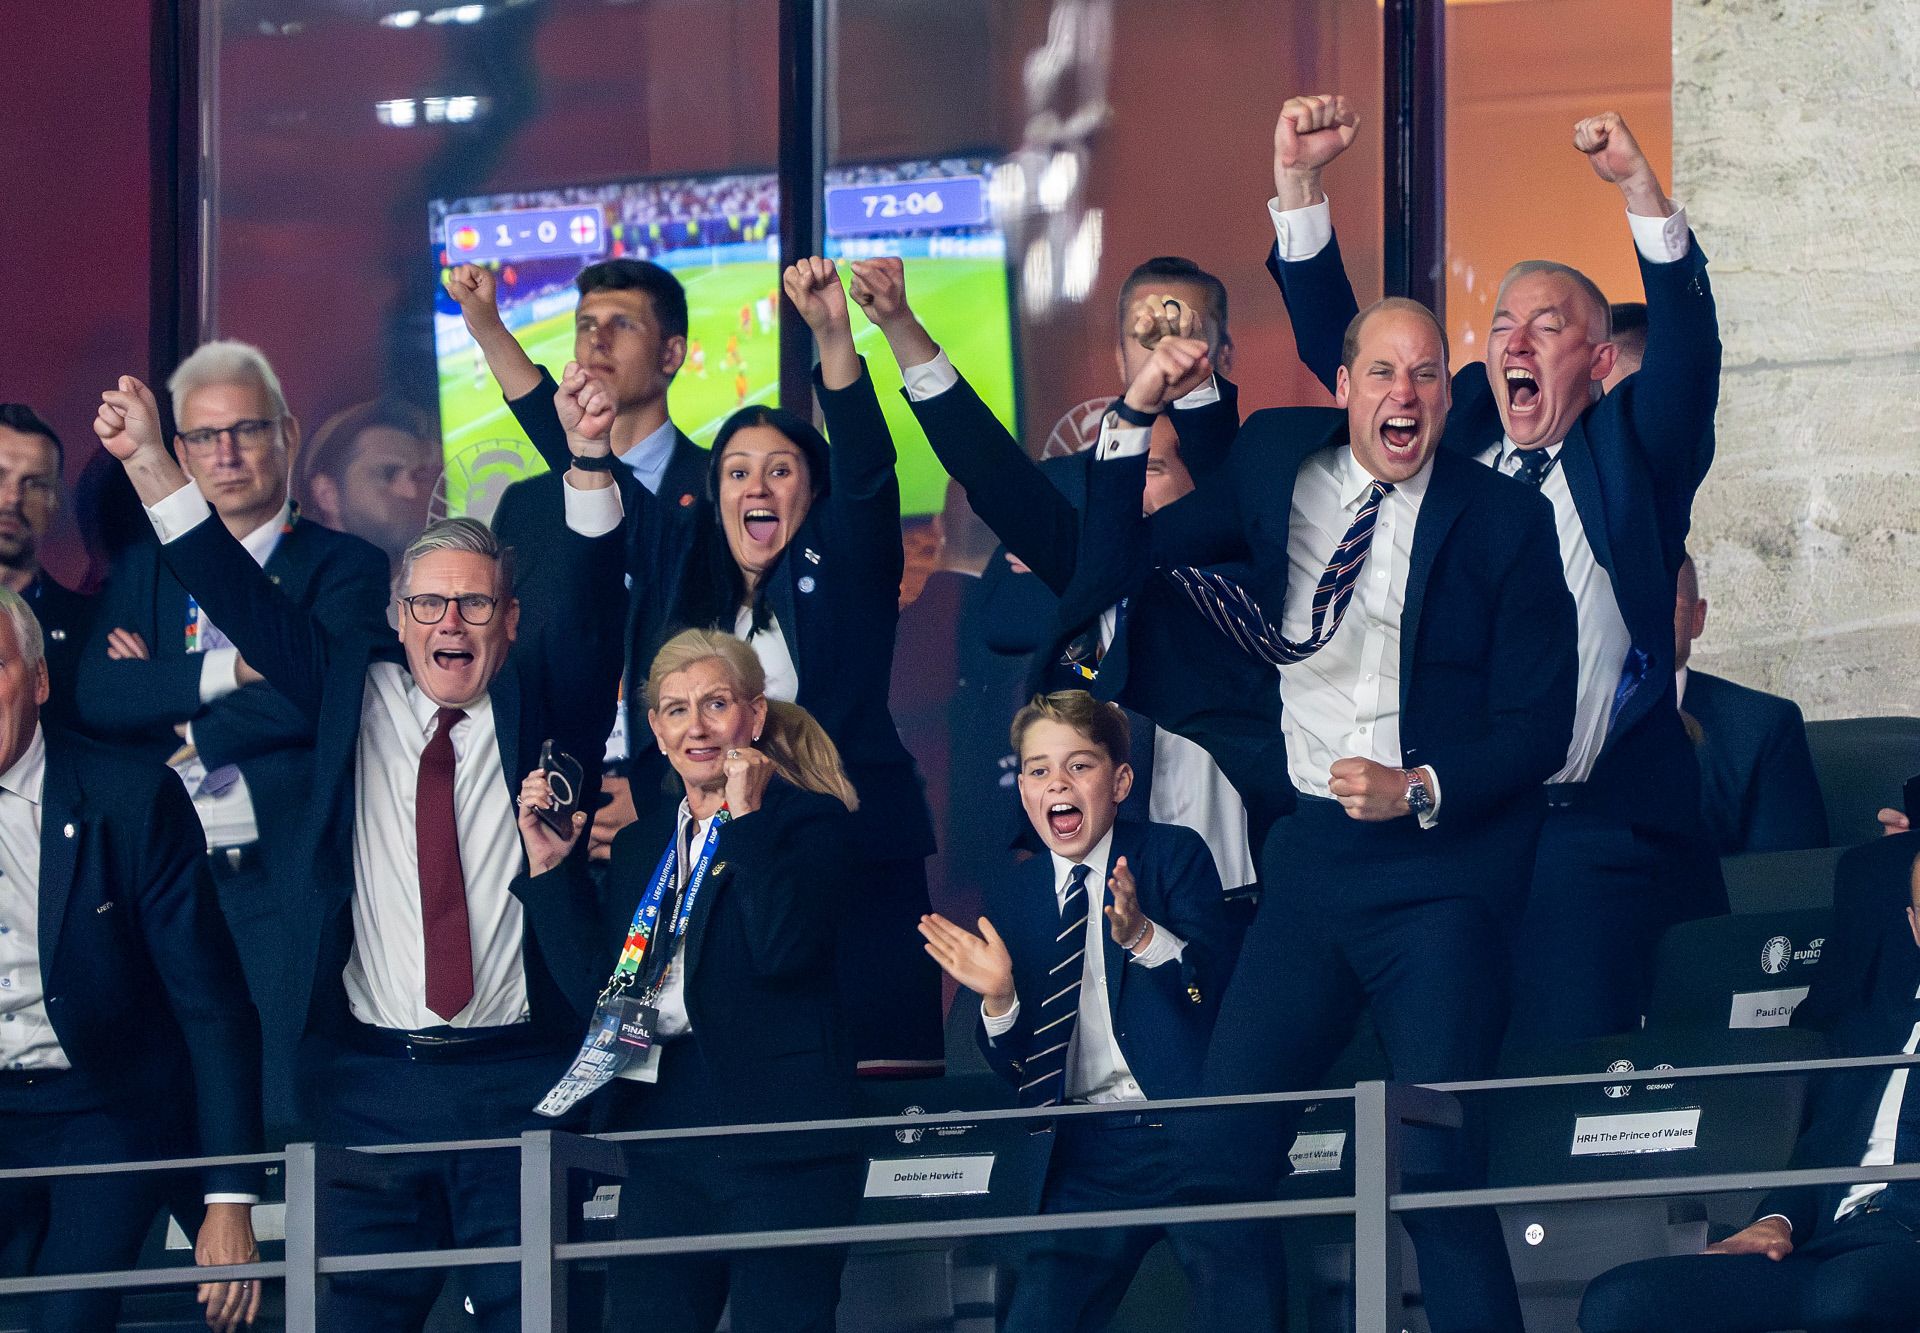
point(880, 288)
point(586, 409)
point(128, 422)
point(1177, 367)
point(474, 289)
point(1617, 158)
point(1312, 131)
point(813, 285)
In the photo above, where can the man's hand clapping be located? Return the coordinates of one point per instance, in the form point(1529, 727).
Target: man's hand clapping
point(1177, 367)
point(1311, 132)
point(1125, 921)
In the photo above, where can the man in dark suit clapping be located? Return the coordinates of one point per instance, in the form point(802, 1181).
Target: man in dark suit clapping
point(125, 1031)
point(1758, 790)
point(440, 995)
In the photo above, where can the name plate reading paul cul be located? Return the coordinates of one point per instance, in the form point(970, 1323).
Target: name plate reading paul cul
point(1636, 1131)
point(928, 1177)
point(1765, 1008)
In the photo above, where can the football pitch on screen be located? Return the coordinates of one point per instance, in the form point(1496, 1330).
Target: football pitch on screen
point(963, 303)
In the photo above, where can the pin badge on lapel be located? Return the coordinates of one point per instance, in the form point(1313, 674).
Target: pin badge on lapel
point(806, 583)
point(719, 868)
point(103, 909)
point(57, 635)
point(813, 556)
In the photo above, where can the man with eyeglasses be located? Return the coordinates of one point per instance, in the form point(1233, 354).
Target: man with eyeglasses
point(160, 676)
point(441, 985)
point(31, 458)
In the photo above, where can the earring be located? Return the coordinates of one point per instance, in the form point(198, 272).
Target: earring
point(756, 738)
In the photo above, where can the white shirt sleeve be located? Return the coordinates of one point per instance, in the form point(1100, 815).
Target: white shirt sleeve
point(1301, 233)
point(179, 513)
point(1205, 396)
point(592, 513)
point(1001, 1026)
point(1165, 947)
point(1431, 817)
point(1660, 240)
point(930, 379)
point(217, 667)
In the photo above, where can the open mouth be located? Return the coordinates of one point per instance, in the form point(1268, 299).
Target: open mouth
point(452, 659)
point(1065, 820)
point(1523, 390)
point(1399, 432)
point(761, 525)
point(702, 754)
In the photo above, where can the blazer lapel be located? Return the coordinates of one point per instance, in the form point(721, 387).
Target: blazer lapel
point(1583, 480)
point(62, 820)
point(1446, 498)
point(505, 693)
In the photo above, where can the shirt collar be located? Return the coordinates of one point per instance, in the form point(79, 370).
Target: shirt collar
point(648, 457)
point(27, 779)
point(1680, 687)
point(1504, 454)
point(260, 543)
point(1095, 862)
point(424, 708)
point(1355, 480)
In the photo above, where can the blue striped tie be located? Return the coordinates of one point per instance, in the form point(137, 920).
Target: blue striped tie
point(1235, 614)
point(1045, 1071)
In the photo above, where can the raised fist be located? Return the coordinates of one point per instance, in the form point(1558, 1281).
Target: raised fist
point(586, 410)
point(474, 289)
point(1156, 316)
point(1611, 148)
point(129, 420)
point(813, 285)
point(879, 287)
point(1177, 367)
point(1312, 131)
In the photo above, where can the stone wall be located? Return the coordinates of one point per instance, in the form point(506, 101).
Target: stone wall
point(1796, 129)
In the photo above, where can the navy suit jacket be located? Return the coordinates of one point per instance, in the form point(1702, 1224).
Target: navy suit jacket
point(767, 1041)
point(1868, 954)
point(140, 976)
point(557, 684)
point(1162, 1016)
point(1225, 703)
point(66, 621)
point(1487, 649)
point(1758, 790)
point(1633, 462)
point(339, 579)
point(655, 535)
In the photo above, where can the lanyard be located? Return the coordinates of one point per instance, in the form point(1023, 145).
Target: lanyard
point(646, 917)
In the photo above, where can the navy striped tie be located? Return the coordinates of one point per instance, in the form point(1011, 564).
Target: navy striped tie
point(1234, 613)
point(1045, 1071)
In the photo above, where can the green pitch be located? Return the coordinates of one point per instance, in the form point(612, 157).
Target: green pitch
point(962, 301)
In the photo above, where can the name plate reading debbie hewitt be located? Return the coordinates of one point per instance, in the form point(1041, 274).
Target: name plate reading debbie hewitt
point(1636, 1131)
point(928, 1177)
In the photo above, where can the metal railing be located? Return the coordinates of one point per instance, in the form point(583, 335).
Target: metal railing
point(548, 1158)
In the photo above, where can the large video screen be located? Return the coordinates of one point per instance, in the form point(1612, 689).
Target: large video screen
point(720, 236)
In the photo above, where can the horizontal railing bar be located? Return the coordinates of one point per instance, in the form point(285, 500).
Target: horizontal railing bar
point(959, 1228)
point(404, 1259)
point(174, 1275)
point(134, 1168)
point(1676, 1075)
point(1652, 1187)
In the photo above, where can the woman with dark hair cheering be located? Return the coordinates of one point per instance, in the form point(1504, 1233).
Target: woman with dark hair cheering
point(725, 899)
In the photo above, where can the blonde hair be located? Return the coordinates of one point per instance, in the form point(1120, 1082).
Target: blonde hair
point(799, 747)
point(1100, 721)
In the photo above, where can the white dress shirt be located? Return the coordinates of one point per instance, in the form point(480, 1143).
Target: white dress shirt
point(385, 976)
point(1188, 787)
point(670, 1007)
point(27, 1040)
point(226, 816)
point(1096, 1066)
point(649, 456)
point(1886, 1129)
point(770, 646)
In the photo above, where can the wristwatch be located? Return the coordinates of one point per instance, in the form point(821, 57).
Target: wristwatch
point(594, 462)
point(1419, 799)
point(1124, 411)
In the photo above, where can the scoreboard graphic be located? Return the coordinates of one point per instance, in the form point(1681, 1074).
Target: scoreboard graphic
point(526, 233)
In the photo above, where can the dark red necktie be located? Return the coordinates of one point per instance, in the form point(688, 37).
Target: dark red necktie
point(443, 888)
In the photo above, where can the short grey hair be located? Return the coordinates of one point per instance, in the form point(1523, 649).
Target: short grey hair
point(1600, 327)
point(459, 534)
point(26, 627)
point(227, 362)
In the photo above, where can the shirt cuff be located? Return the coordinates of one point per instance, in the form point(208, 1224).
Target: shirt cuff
point(1431, 817)
point(1205, 396)
point(179, 513)
point(1301, 233)
point(1782, 1216)
point(1120, 439)
point(217, 667)
point(930, 379)
point(592, 513)
point(1660, 240)
point(1001, 1026)
point(1165, 947)
point(248, 1199)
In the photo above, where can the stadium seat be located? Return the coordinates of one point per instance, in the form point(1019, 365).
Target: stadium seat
point(1736, 972)
point(1591, 1132)
point(1780, 881)
point(1862, 763)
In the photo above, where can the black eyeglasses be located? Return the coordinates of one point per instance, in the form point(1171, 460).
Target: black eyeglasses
point(252, 433)
point(430, 608)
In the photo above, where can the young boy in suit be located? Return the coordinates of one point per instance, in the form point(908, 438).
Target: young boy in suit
point(1099, 968)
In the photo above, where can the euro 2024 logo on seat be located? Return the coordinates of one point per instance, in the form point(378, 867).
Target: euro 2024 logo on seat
point(1775, 955)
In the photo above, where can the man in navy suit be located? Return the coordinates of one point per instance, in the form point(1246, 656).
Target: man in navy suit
point(31, 461)
point(1106, 1006)
point(1208, 728)
point(1621, 856)
point(125, 1031)
point(1758, 790)
point(1829, 1257)
point(159, 676)
point(441, 995)
point(1426, 685)
point(630, 336)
